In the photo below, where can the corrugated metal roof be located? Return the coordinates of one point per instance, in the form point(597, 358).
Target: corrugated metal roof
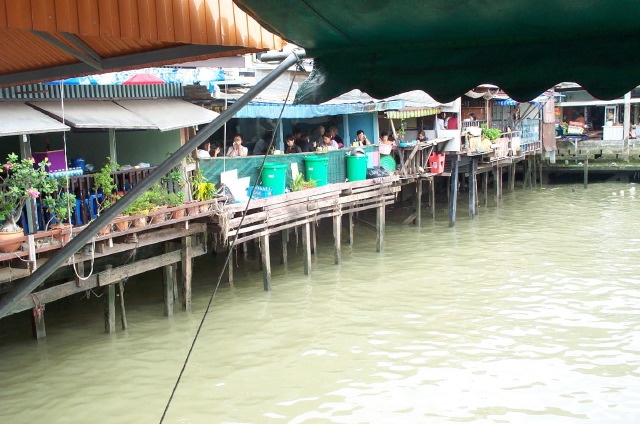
point(94, 114)
point(169, 114)
point(46, 34)
point(18, 118)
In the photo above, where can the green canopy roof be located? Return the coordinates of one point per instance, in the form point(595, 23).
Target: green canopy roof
point(447, 47)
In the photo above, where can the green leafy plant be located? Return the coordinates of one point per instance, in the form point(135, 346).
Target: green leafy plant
point(490, 133)
point(142, 204)
point(103, 180)
point(298, 183)
point(202, 188)
point(174, 199)
point(174, 176)
point(23, 181)
point(60, 207)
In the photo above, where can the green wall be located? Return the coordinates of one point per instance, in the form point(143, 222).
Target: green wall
point(149, 146)
point(8, 145)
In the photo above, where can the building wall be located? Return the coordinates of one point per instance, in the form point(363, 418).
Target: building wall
point(92, 146)
point(8, 145)
point(364, 122)
point(149, 146)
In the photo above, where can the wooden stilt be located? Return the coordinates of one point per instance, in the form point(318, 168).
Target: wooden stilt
point(123, 311)
point(473, 168)
point(337, 239)
point(266, 262)
point(432, 196)
point(534, 172)
point(314, 246)
point(496, 183)
point(285, 241)
point(306, 247)
point(297, 235)
point(351, 230)
point(485, 189)
point(418, 202)
point(110, 309)
point(230, 266)
point(168, 281)
point(37, 322)
point(187, 272)
point(245, 250)
point(510, 177)
point(380, 224)
point(525, 179)
point(586, 172)
point(453, 189)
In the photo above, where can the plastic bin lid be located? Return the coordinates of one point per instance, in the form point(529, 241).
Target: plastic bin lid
point(316, 158)
point(275, 165)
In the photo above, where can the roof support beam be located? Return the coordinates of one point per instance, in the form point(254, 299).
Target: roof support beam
point(68, 49)
point(76, 41)
point(119, 62)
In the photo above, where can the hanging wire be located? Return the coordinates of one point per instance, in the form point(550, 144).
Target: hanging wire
point(226, 262)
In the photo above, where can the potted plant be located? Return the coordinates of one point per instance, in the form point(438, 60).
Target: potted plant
point(299, 183)
point(174, 200)
point(141, 206)
point(103, 180)
point(202, 190)
point(60, 209)
point(23, 181)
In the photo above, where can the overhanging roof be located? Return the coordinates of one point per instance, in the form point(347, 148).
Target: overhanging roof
point(272, 110)
point(94, 114)
point(44, 40)
point(447, 48)
point(169, 114)
point(18, 118)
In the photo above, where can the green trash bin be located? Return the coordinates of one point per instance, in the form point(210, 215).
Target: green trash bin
point(316, 169)
point(274, 176)
point(357, 167)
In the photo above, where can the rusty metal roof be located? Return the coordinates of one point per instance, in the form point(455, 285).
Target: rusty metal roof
point(46, 39)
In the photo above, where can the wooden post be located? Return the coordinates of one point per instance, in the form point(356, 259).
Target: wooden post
point(496, 176)
point(230, 266)
point(285, 241)
point(453, 198)
point(245, 250)
point(306, 248)
point(337, 238)
point(380, 224)
point(313, 238)
point(586, 172)
point(473, 169)
point(168, 279)
point(540, 168)
point(110, 309)
point(266, 262)
point(37, 322)
point(534, 173)
point(187, 272)
point(510, 177)
point(418, 202)
point(485, 188)
point(32, 224)
point(351, 231)
point(123, 311)
point(432, 196)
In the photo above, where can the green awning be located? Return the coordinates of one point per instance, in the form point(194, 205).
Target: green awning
point(411, 112)
point(446, 48)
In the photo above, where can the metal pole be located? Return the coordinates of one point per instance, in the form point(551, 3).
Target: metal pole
point(42, 273)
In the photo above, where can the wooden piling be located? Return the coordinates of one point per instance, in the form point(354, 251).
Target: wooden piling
point(497, 177)
point(485, 189)
point(534, 172)
point(473, 169)
point(586, 172)
point(380, 224)
point(432, 196)
point(285, 241)
point(230, 265)
point(123, 311)
point(169, 284)
point(306, 247)
point(351, 231)
point(187, 272)
point(110, 309)
point(453, 197)
point(418, 202)
point(266, 262)
point(511, 177)
point(337, 239)
point(314, 245)
point(37, 321)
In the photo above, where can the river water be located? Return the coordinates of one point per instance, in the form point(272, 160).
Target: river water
point(527, 314)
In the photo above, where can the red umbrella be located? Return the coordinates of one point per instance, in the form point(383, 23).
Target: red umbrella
point(144, 79)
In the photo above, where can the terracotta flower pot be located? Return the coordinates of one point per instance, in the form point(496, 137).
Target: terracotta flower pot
point(192, 211)
point(105, 230)
point(58, 232)
point(178, 214)
point(205, 208)
point(10, 235)
point(122, 225)
point(161, 217)
point(139, 222)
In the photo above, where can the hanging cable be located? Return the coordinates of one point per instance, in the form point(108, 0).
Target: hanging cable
point(226, 262)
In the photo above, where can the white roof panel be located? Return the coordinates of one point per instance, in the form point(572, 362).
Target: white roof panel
point(94, 114)
point(18, 118)
point(169, 114)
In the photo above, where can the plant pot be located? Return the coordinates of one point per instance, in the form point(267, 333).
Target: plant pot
point(179, 213)
point(192, 211)
point(161, 217)
point(10, 235)
point(204, 208)
point(139, 222)
point(58, 232)
point(122, 225)
point(105, 230)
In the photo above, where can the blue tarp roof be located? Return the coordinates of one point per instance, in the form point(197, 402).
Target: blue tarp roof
point(272, 110)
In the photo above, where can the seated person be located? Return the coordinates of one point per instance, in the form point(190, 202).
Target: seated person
point(261, 147)
point(384, 138)
point(204, 151)
point(335, 137)
point(304, 143)
point(290, 145)
point(452, 124)
point(421, 137)
point(328, 143)
point(237, 149)
point(361, 139)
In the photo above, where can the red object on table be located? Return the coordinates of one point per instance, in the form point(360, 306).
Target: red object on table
point(436, 163)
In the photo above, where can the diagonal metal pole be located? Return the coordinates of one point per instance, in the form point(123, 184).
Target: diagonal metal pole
point(42, 273)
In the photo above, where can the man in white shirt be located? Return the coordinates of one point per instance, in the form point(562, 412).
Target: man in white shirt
point(439, 124)
point(203, 150)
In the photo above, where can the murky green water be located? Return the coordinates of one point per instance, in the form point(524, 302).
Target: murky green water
point(530, 313)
